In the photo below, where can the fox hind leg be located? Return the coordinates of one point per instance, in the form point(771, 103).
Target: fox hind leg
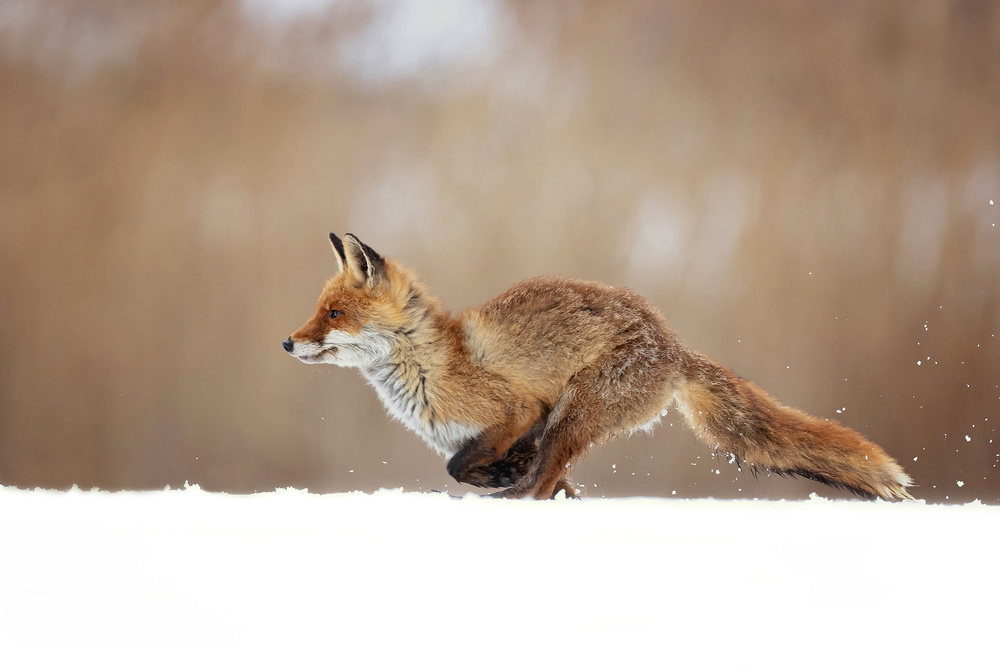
point(568, 433)
point(615, 395)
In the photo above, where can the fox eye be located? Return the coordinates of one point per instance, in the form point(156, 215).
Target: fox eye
point(334, 314)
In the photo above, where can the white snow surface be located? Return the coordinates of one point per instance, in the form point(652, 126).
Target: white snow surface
point(192, 577)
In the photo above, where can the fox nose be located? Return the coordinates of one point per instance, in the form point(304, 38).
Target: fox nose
point(288, 344)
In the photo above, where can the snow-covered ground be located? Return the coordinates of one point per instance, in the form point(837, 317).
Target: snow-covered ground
point(190, 577)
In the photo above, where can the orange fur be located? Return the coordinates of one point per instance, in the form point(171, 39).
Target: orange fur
point(515, 391)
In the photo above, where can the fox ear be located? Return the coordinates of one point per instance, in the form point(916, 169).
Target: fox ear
point(338, 250)
point(366, 265)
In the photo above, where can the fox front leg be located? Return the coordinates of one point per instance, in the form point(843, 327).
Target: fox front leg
point(516, 462)
point(512, 468)
point(480, 463)
point(562, 485)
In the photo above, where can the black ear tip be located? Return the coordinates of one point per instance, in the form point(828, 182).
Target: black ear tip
point(371, 253)
point(338, 245)
point(368, 251)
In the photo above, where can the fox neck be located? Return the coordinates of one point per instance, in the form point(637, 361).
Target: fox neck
point(408, 379)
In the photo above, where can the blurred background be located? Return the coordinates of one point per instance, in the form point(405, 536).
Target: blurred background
point(810, 191)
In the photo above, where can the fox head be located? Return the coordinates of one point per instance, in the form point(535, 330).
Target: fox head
point(358, 310)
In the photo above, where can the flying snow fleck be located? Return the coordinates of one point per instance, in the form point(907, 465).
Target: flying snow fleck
point(960, 482)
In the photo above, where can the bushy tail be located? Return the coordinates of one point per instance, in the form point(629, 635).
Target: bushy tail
point(742, 420)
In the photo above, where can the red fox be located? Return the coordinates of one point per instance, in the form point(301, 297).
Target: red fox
point(515, 391)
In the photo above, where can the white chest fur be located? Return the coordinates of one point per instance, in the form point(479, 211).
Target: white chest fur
point(403, 389)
